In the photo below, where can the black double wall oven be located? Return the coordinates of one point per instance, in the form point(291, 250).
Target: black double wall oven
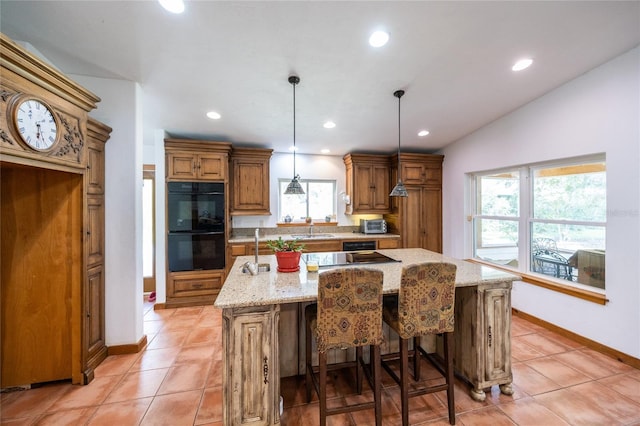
point(196, 239)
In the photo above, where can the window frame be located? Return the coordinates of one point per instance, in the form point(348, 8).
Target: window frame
point(305, 185)
point(526, 223)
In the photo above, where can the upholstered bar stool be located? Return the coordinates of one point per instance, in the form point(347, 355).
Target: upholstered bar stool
point(424, 305)
point(348, 315)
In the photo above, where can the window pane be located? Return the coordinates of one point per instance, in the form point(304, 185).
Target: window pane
point(498, 194)
point(321, 199)
point(570, 193)
point(570, 252)
point(497, 241)
point(318, 201)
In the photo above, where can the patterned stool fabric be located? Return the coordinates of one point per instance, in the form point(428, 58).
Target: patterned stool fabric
point(348, 315)
point(424, 305)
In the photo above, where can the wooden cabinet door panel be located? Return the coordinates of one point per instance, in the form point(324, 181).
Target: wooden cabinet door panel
point(413, 173)
point(211, 167)
point(381, 188)
point(94, 311)
point(250, 369)
point(181, 166)
point(362, 187)
point(497, 334)
point(412, 226)
point(432, 219)
point(251, 187)
point(95, 229)
point(95, 168)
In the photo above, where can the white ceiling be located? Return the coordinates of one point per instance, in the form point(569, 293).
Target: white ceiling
point(453, 59)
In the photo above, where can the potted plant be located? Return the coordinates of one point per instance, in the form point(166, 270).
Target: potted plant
point(287, 253)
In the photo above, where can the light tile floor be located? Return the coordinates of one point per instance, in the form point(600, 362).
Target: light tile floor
point(177, 380)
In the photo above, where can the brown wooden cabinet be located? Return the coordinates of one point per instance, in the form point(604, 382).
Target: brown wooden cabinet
point(52, 313)
point(483, 337)
point(367, 183)
point(418, 217)
point(251, 365)
point(195, 161)
point(189, 160)
point(249, 181)
point(94, 348)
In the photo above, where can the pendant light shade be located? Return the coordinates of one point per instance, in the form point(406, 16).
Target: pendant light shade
point(294, 186)
point(399, 190)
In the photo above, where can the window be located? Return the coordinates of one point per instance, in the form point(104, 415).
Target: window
point(318, 201)
point(547, 219)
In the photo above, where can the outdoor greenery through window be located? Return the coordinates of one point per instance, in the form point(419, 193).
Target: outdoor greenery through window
point(547, 219)
point(318, 201)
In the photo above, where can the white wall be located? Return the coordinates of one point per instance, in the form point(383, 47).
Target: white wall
point(120, 108)
point(599, 112)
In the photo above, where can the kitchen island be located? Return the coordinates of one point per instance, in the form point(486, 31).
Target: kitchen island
point(254, 337)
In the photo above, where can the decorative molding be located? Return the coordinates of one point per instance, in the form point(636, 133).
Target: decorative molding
point(72, 135)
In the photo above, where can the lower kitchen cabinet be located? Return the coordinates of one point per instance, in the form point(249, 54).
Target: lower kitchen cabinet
point(251, 365)
point(483, 337)
point(193, 287)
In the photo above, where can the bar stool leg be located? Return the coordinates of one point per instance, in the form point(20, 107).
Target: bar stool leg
point(377, 382)
point(416, 358)
point(448, 350)
point(322, 364)
point(404, 380)
point(308, 379)
point(359, 362)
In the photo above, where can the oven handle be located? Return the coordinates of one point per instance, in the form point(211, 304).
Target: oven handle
point(196, 232)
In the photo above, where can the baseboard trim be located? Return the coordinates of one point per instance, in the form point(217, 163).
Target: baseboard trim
point(133, 348)
point(159, 306)
point(599, 347)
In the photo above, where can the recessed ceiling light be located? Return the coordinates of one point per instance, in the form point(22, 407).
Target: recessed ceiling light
point(213, 115)
point(173, 6)
point(423, 133)
point(522, 64)
point(329, 125)
point(379, 39)
point(325, 151)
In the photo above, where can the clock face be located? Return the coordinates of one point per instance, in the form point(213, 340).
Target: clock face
point(36, 124)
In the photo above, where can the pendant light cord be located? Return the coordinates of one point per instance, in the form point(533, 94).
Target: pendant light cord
point(294, 129)
point(399, 179)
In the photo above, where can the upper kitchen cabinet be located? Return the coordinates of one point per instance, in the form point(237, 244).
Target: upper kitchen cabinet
point(418, 217)
point(368, 186)
point(249, 181)
point(194, 160)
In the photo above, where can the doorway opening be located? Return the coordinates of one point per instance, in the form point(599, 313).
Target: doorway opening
point(148, 231)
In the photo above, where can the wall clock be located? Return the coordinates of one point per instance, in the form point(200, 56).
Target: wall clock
point(35, 123)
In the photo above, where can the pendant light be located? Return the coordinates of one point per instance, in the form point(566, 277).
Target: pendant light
point(399, 190)
point(294, 186)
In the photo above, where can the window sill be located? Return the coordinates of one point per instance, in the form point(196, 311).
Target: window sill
point(590, 296)
point(298, 224)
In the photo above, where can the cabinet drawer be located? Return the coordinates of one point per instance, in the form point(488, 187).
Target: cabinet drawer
point(196, 286)
point(388, 243)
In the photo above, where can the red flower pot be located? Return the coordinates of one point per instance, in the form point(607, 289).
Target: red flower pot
point(288, 261)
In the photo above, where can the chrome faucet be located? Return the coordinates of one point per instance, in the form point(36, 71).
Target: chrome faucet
point(257, 236)
point(311, 228)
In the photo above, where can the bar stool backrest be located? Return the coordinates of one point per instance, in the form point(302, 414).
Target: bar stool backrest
point(426, 299)
point(349, 308)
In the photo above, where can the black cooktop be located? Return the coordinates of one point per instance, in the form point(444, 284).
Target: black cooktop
point(339, 258)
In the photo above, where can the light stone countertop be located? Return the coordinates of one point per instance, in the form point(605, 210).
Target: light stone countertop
point(329, 236)
point(273, 287)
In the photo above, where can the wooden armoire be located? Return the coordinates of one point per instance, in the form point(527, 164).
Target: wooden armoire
point(52, 196)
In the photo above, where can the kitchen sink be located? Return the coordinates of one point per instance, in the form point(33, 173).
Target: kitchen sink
point(309, 236)
point(262, 267)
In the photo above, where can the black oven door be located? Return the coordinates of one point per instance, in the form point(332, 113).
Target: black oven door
point(195, 207)
point(190, 251)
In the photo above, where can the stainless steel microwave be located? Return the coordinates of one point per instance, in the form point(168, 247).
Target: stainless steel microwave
point(373, 226)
